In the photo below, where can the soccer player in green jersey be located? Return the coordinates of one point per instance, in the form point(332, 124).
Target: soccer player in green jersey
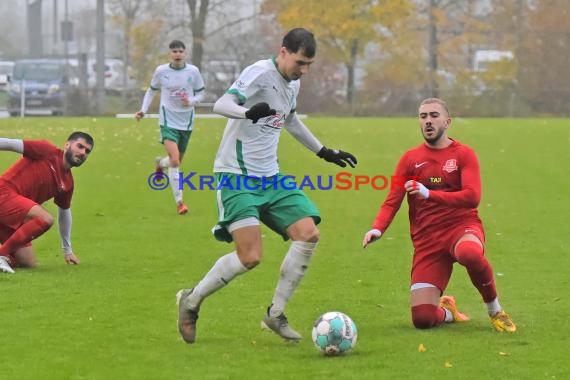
point(259, 105)
point(181, 87)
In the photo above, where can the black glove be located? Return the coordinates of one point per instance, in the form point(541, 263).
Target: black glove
point(259, 110)
point(337, 157)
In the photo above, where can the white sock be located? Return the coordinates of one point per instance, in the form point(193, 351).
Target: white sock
point(448, 316)
point(164, 162)
point(293, 269)
point(174, 175)
point(225, 269)
point(494, 307)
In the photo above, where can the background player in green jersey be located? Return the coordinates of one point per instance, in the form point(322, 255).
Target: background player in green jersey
point(181, 87)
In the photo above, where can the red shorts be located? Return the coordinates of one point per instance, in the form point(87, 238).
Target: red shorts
point(433, 260)
point(13, 211)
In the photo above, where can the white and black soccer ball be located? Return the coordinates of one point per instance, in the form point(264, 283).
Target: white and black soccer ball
point(334, 333)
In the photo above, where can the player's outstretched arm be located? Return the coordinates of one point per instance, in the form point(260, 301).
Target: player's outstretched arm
point(370, 237)
point(337, 156)
point(301, 133)
point(12, 145)
point(64, 222)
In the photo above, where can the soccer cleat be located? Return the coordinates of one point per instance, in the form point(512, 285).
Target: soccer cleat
point(448, 303)
point(186, 316)
point(280, 326)
point(158, 169)
point(501, 321)
point(5, 265)
point(181, 208)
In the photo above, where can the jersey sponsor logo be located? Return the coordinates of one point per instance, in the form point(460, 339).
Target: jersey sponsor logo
point(275, 122)
point(450, 165)
point(420, 164)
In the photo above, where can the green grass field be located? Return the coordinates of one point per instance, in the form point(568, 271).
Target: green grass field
point(114, 316)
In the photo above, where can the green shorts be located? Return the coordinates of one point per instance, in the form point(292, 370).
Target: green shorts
point(181, 138)
point(274, 205)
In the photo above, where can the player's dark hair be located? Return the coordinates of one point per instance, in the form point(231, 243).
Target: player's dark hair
point(177, 44)
point(442, 103)
point(81, 135)
point(300, 39)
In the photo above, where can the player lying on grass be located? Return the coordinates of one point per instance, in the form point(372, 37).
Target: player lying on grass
point(44, 172)
point(444, 222)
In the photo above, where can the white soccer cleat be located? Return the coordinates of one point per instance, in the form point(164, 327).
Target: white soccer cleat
point(5, 265)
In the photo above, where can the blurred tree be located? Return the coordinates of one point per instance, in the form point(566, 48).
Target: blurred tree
point(198, 14)
point(224, 25)
point(125, 13)
point(13, 36)
point(540, 37)
point(430, 54)
point(343, 28)
point(148, 50)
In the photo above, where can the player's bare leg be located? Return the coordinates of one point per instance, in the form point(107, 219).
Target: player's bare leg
point(25, 258)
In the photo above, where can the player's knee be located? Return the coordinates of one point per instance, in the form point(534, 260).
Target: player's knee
point(310, 235)
point(174, 162)
point(251, 263)
point(48, 219)
point(28, 263)
point(250, 260)
point(424, 316)
point(24, 261)
point(470, 255)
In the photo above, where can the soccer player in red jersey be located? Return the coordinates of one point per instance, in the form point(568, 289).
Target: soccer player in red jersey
point(443, 193)
point(44, 172)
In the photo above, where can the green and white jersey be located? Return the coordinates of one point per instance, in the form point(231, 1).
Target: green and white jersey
point(175, 85)
point(251, 149)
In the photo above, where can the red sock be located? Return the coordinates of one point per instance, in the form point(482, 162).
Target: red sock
point(470, 255)
point(23, 235)
point(426, 316)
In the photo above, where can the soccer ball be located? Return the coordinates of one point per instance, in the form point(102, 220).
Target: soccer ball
point(334, 333)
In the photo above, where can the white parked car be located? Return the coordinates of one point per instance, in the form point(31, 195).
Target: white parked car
point(6, 70)
point(113, 75)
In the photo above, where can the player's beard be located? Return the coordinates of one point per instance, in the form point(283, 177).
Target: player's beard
point(71, 161)
point(434, 139)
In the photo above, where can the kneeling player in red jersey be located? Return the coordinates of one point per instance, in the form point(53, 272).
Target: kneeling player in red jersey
point(44, 172)
point(443, 193)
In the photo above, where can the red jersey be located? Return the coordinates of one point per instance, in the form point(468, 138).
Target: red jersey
point(454, 182)
point(39, 175)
